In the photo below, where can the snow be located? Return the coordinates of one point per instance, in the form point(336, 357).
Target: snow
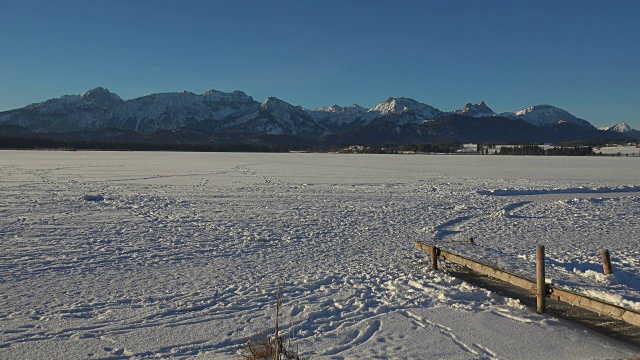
point(237, 112)
point(411, 111)
point(337, 115)
point(545, 115)
point(621, 128)
point(624, 150)
point(175, 110)
point(478, 110)
point(183, 255)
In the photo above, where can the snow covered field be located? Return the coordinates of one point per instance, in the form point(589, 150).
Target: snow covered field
point(182, 256)
point(619, 150)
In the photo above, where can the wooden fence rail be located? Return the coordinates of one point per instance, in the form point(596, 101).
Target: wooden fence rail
point(552, 292)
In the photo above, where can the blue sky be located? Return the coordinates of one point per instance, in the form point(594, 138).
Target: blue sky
point(578, 55)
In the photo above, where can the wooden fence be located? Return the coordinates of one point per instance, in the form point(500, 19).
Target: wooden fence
point(536, 287)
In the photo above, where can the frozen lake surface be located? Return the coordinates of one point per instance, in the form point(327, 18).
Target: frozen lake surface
point(125, 255)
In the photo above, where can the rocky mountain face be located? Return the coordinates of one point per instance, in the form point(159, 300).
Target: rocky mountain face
point(337, 117)
point(401, 111)
point(66, 113)
point(476, 110)
point(547, 115)
point(175, 110)
point(396, 119)
point(621, 128)
point(276, 117)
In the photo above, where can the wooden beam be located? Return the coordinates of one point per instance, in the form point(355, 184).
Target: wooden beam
point(553, 292)
point(480, 267)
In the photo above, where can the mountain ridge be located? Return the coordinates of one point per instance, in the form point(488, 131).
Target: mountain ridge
point(621, 128)
point(236, 112)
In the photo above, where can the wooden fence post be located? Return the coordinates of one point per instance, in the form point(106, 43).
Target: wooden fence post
point(606, 262)
point(553, 292)
point(541, 287)
point(434, 257)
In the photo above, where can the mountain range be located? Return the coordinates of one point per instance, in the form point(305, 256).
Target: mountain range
point(185, 116)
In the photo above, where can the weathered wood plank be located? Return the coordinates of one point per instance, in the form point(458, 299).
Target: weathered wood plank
point(480, 267)
point(572, 298)
point(631, 317)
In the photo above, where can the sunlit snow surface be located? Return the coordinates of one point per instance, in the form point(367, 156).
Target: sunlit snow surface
point(134, 255)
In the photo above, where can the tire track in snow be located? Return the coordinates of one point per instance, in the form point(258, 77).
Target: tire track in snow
point(456, 225)
point(508, 211)
point(451, 227)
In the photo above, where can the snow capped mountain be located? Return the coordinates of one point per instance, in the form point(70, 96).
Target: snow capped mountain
point(279, 108)
point(174, 110)
point(620, 128)
point(236, 112)
point(401, 111)
point(212, 111)
point(95, 98)
point(234, 100)
point(277, 117)
point(101, 98)
point(336, 116)
point(66, 113)
point(478, 110)
point(546, 115)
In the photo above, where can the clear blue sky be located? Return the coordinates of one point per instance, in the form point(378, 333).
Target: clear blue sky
point(582, 56)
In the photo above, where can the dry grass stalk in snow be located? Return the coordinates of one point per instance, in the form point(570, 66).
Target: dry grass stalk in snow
point(262, 347)
point(277, 347)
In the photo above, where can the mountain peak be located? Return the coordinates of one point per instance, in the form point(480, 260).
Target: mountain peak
point(237, 97)
point(276, 105)
point(101, 98)
point(97, 90)
point(541, 107)
point(547, 115)
point(405, 110)
point(619, 128)
point(478, 110)
point(272, 100)
point(211, 92)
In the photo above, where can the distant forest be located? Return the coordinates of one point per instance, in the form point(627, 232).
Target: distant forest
point(538, 150)
point(9, 142)
point(66, 144)
point(449, 148)
point(445, 148)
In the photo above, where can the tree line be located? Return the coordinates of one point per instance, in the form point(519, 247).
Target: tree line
point(33, 142)
point(7, 142)
point(396, 149)
point(538, 150)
